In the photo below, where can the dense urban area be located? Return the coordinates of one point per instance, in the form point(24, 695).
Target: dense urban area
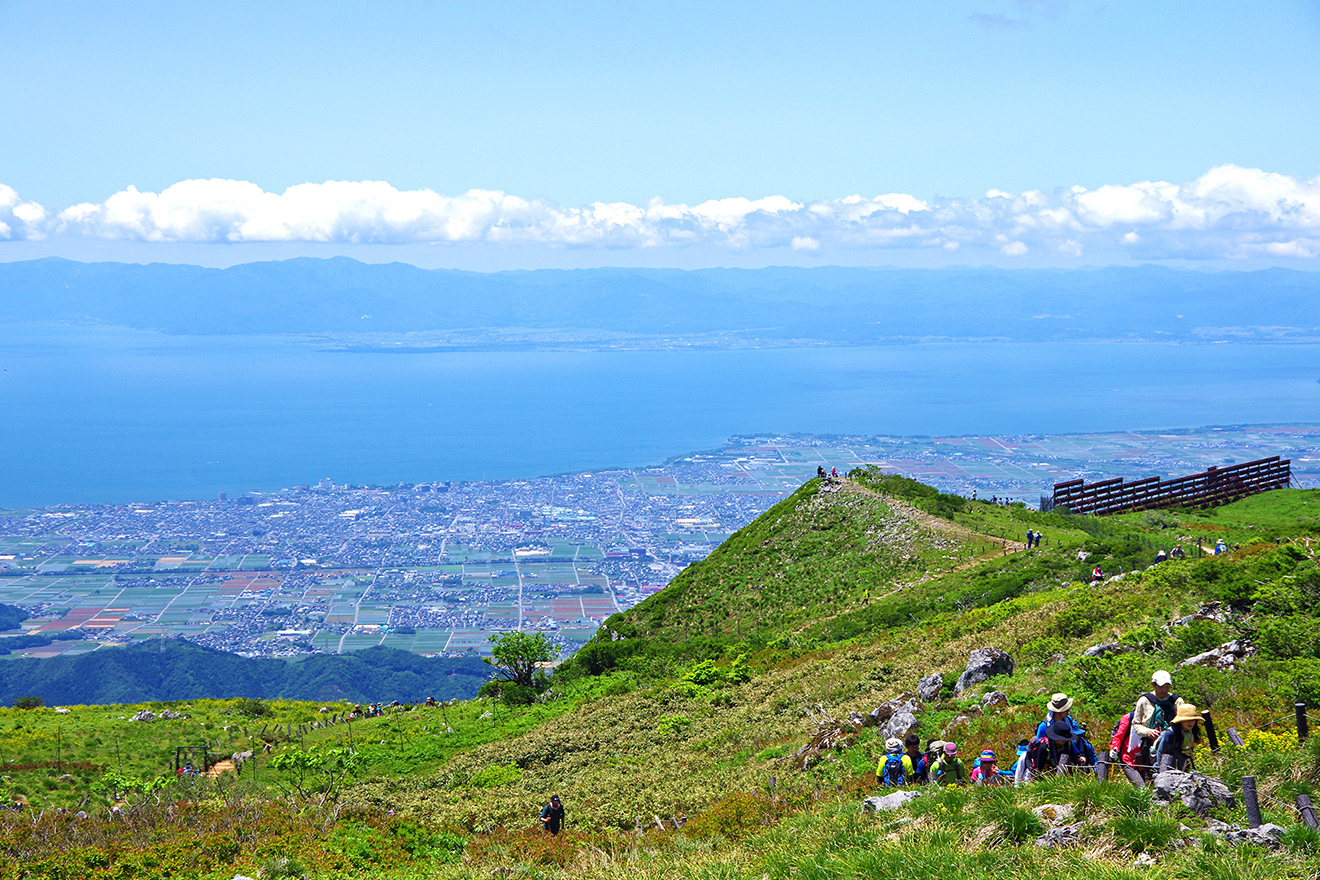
point(437, 567)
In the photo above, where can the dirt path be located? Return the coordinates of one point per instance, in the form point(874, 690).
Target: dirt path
point(225, 766)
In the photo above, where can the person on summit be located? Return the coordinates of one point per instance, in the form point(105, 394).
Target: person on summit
point(820, 472)
point(552, 815)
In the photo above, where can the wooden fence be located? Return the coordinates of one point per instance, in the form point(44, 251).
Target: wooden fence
point(1207, 489)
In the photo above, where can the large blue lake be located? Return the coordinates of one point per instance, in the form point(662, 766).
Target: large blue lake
point(107, 414)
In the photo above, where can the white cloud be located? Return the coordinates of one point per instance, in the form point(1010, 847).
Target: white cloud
point(1230, 211)
point(20, 219)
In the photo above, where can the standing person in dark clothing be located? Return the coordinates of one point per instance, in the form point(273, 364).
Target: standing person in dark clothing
point(552, 816)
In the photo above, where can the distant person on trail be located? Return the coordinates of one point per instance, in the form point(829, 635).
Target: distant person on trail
point(1161, 557)
point(552, 815)
point(834, 472)
point(895, 768)
point(1220, 547)
point(1178, 553)
point(1097, 575)
point(1031, 539)
point(1176, 747)
point(820, 472)
point(949, 770)
point(1152, 715)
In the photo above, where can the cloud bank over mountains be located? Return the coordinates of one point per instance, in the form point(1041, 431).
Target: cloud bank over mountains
point(1229, 212)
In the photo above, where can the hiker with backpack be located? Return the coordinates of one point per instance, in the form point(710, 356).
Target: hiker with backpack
point(986, 771)
point(1151, 717)
point(1176, 747)
point(949, 770)
point(1125, 751)
point(920, 767)
point(895, 768)
point(1059, 742)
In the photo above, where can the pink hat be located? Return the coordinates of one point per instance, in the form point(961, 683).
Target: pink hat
point(950, 749)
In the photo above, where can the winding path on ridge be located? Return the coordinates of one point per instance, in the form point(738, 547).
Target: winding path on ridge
point(948, 529)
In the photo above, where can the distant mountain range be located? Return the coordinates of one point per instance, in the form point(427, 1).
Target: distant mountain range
point(174, 669)
point(359, 302)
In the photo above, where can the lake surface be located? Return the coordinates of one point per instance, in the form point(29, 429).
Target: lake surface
point(112, 415)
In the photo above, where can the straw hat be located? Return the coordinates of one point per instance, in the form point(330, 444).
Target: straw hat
point(1060, 703)
point(1186, 712)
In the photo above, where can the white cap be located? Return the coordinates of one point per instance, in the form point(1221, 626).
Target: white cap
point(1161, 678)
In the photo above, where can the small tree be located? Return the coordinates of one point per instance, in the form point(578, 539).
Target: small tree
point(514, 656)
point(29, 703)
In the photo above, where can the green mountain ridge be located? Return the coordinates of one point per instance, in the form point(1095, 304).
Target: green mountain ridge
point(175, 669)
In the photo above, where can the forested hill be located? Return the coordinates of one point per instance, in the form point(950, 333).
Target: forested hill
point(178, 670)
point(850, 305)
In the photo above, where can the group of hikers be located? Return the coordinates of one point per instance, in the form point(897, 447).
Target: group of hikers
point(1160, 733)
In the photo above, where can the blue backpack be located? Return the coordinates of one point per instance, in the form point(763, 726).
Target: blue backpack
point(892, 773)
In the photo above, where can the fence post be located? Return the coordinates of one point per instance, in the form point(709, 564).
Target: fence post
point(1300, 709)
point(1210, 730)
point(1249, 798)
point(1308, 812)
point(1234, 738)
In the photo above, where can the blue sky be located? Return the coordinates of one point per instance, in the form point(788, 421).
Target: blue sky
point(514, 135)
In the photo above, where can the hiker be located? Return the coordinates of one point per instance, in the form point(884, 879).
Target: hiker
point(920, 768)
point(1220, 547)
point(834, 473)
point(552, 815)
point(949, 770)
point(986, 771)
point(895, 768)
point(1176, 747)
point(1151, 716)
point(1031, 539)
point(1063, 738)
point(1125, 750)
point(1020, 770)
point(1178, 552)
point(1161, 556)
point(1097, 575)
point(820, 472)
point(934, 751)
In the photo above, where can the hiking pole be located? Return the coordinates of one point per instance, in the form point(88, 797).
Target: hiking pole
point(1210, 731)
point(1249, 798)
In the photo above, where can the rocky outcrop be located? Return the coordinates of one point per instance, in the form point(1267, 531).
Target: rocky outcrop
point(889, 801)
point(928, 689)
point(994, 700)
point(1225, 657)
point(1064, 835)
point(984, 663)
point(1269, 834)
point(1198, 792)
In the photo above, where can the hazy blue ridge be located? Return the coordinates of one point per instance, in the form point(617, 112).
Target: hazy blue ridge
point(834, 304)
point(174, 669)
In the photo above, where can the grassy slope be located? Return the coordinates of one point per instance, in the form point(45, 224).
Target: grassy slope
point(658, 733)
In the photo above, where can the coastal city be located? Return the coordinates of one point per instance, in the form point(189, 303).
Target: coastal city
point(436, 568)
